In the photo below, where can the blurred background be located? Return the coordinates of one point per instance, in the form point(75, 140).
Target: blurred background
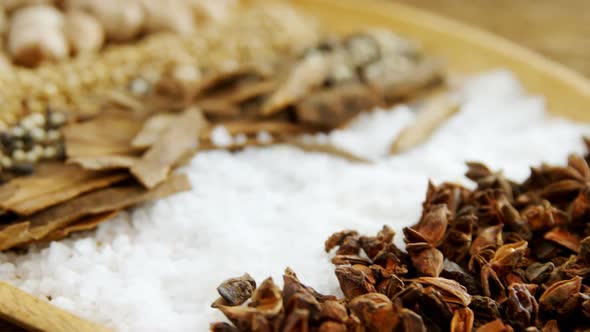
point(559, 29)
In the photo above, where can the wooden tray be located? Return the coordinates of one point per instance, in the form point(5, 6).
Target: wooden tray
point(466, 49)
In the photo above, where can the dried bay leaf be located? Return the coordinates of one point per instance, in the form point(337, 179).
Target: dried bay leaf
point(43, 223)
point(179, 138)
point(53, 186)
point(434, 113)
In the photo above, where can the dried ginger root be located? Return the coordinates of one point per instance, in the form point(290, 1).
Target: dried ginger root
point(36, 34)
point(84, 32)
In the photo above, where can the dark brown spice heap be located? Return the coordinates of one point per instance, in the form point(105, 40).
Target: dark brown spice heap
point(505, 256)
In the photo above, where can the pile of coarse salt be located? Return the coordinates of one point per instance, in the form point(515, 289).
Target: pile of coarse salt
point(156, 268)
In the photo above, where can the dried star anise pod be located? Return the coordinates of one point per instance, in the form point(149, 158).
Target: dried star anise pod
point(520, 308)
point(462, 321)
point(375, 312)
point(236, 291)
point(557, 295)
point(486, 179)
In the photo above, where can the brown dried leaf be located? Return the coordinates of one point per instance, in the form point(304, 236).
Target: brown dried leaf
point(431, 116)
point(564, 238)
point(462, 320)
point(181, 137)
point(53, 186)
point(41, 224)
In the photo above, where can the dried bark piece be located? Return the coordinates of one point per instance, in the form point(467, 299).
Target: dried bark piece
point(310, 73)
point(83, 224)
point(336, 106)
point(462, 321)
point(564, 238)
point(431, 116)
point(152, 129)
point(103, 163)
point(41, 224)
point(109, 133)
point(181, 137)
point(53, 186)
point(236, 291)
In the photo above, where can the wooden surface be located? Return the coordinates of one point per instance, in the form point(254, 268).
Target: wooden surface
point(33, 314)
point(559, 29)
point(465, 49)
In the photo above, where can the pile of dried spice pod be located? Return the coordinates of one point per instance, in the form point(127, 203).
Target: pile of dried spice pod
point(505, 256)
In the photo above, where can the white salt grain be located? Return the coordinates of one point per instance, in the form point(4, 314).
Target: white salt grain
point(264, 137)
point(220, 137)
point(156, 267)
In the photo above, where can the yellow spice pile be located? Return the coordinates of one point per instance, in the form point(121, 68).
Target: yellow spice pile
point(257, 33)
